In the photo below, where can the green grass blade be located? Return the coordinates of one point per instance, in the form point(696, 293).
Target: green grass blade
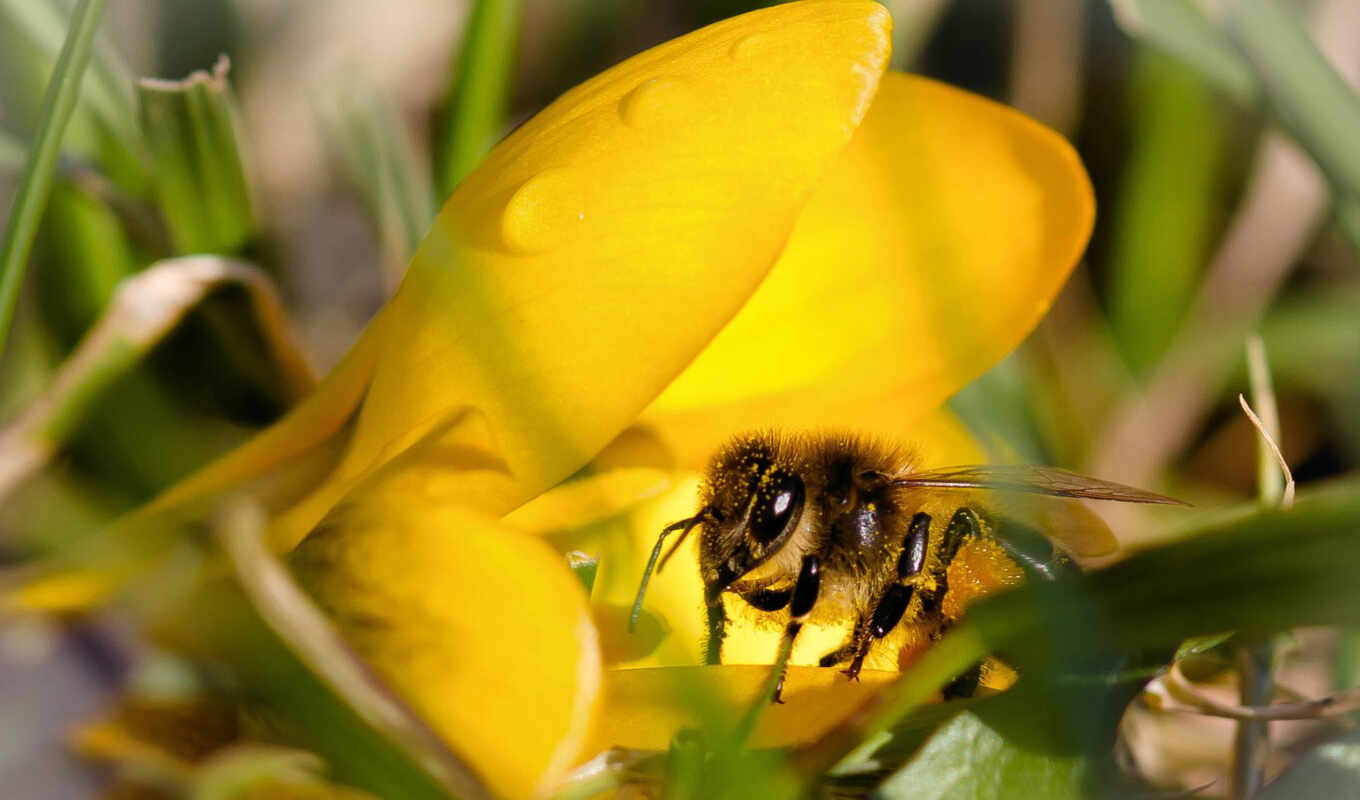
point(380, 162)
point(190, 128)
point(60, 101)
point(107, 106)
point(1167, 214)
point(475, 114)
point(1316, 106)
point(1181, 29)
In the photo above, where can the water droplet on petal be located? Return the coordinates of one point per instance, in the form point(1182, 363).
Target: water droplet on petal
point(653, 102)
point(543, 212)
point(748, 46)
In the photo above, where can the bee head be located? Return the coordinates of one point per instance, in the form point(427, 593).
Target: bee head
point(754, 501)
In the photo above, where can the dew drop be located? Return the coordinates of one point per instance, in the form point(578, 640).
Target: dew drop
point(748, 46)
point(653, 102)
point(544, 212)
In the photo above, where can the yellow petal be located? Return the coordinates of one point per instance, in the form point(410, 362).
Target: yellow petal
point(601, 246)
point(935, 244)
point(589, 500)
point(645, 707)
point(483, 630)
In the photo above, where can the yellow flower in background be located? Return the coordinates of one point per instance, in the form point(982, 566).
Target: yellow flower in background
point(749, 226)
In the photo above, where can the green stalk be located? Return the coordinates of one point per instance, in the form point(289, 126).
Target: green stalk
point(476, 110)
point(1315, 104)
point(58, 104)
point(1251, 742)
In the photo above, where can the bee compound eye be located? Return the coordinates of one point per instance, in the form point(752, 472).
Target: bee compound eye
point(775, 512)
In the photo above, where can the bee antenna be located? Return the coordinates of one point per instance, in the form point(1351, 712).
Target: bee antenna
point(689, 525)
point(684, 526)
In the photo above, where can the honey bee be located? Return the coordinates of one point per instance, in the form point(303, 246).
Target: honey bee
point(835, 527)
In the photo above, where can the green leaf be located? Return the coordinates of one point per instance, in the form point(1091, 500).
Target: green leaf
point(58, 105)
point(84, 252)
point(968, 758)
point(475, 116)
point(1199, 645)
point(1330, 770)
point(190, 128)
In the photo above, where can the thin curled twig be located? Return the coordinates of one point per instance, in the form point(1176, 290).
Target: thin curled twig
point(1184, 696)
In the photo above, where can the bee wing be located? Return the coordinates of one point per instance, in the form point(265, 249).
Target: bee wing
point(1030, 479)
point(1034, 494)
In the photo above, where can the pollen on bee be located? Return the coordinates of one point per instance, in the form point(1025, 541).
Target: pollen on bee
point(980, 568)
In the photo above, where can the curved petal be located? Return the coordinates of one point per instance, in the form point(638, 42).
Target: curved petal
point(934, 245)
point(483, 630)
point(602, 245)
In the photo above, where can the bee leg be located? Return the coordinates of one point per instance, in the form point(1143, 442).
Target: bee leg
point(886, 615)
point(965, 685)
point(717, 631)
point(890, 608)
point(804, 597)
point(962, 526)
point(847, 650)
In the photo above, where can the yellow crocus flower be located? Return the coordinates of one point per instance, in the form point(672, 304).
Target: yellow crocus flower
point(751, 225)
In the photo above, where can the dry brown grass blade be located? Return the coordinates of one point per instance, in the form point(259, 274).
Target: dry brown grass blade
point(144, 309)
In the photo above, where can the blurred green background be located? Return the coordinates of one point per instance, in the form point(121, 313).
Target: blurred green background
point(1218, 146)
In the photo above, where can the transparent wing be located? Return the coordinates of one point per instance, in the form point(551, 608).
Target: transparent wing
point(1040, 497)
point(1030, 480)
